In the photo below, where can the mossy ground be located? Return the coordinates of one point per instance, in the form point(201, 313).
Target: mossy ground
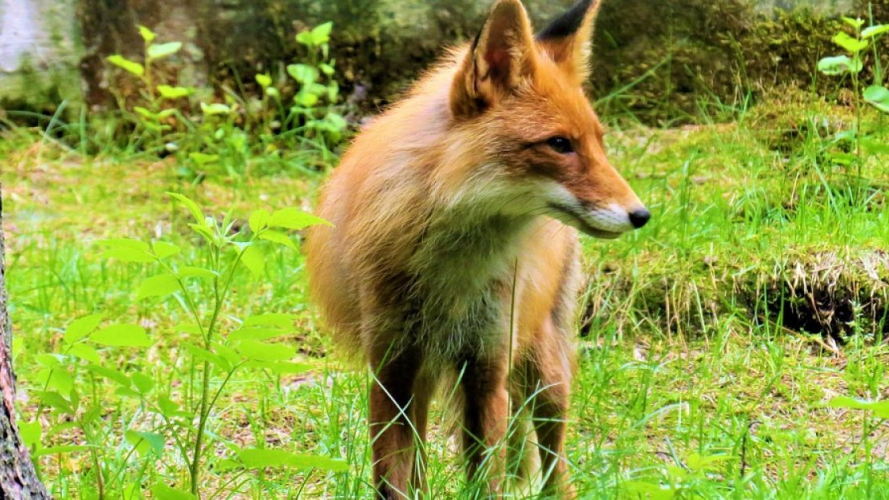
point(695, 380)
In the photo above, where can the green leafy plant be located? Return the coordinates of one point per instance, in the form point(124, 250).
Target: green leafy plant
point(318, 90)
point(217, 135)
point(852, 63)
point(69, 376)
point(153, 117)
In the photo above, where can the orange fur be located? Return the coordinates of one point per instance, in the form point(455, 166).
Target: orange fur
point(472, 185)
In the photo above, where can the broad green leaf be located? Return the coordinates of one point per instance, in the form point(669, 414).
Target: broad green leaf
point(879, 408)
point(261, 351)
point(161, 50)
point(163, 249)
point(147, 34)
point(696, 462)
point(336, 121)
point(848, 402)
point(271, 319)
point(273, 92)
point(227, 353)
point(227, 464)
point(254, 458)
point(850, 44)
point(85, 352)
point(264, 80)
point(254, 260)
point(110, 374)
point(839, 65)
point(276, 237)
point(168, 92)
point(164, 492)
point(203, 158)
point(167, 406)
point(48, 360)
point(56, 379)
point(844, 159)
point(648, 490)
point(187, 328)
point(59, 450)
point(215, 109)
point(61, 381)
point(855, 23)
point(303, 73)
point(327, 69)
point(291, 218)
point(127, 392)
point(190, 205)
point(143, 383)
point(202, 354)
point(145, 112)
point(122, 336)
point(321, 33)
point(129, 66)
point(81, 327)
point(259, 220)
point(30, 433)
point(129, 255)
point(203, 230)
point(195, 272)
point(874, 31)
point(127, 250)
point(145, 442)
point(875, 147)
point(55, 400)
point(158, 286)
point(305, 38)
point(877, 97)
point(306, 99)
point(255, 333)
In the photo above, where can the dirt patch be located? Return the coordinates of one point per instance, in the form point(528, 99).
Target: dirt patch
point(824, 293)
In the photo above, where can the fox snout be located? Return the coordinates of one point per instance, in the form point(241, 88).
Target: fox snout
point(603, 222)
point(618, 219)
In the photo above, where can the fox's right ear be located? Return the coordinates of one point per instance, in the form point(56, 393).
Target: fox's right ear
point(568, 39)
point(501, 56)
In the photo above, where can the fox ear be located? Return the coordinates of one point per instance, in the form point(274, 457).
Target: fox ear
point(568, 39)
point(501, 56)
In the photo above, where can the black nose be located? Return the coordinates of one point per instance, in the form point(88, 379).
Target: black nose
point(640, 217)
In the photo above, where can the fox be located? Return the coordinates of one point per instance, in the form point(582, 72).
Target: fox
point(453, 246)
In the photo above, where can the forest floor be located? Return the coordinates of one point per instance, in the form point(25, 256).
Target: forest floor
point(711, 346)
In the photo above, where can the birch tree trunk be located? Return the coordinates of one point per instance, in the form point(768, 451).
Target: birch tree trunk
point(18, 479)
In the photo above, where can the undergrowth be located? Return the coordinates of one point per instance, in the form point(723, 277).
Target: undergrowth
point(734, 348)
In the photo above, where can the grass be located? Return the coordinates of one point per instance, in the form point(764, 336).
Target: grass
point(701, 373)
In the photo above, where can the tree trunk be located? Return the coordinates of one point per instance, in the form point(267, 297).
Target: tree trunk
point(18, 479)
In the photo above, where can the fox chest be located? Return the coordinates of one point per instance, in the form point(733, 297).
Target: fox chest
point(458, 297)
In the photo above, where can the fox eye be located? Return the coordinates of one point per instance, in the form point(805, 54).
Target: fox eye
point(561, 145)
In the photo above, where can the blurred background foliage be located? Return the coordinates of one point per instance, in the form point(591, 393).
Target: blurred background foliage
point(663, 61)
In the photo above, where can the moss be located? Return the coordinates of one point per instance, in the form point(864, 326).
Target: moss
point(31, 91)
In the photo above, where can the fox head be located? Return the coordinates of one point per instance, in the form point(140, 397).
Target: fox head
point(541, 137)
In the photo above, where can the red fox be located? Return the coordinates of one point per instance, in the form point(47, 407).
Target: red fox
point(454, 244)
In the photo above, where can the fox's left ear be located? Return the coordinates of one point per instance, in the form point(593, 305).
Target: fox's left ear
point(568, 39)
point(501, 57)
